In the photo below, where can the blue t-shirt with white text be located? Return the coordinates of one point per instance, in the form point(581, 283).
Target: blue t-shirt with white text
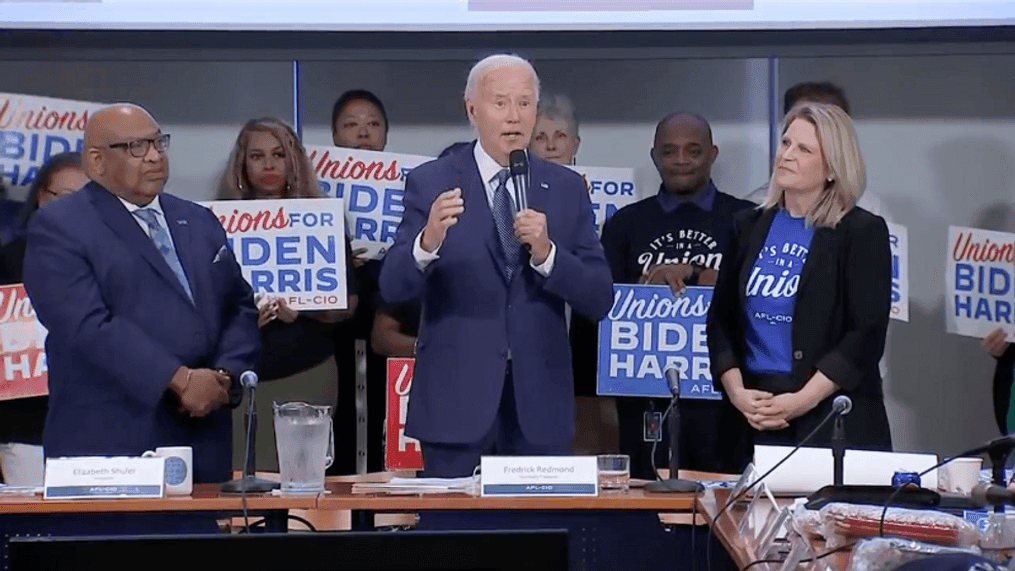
point(771, 295)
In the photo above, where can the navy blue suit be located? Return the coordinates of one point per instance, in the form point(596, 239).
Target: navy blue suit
point(474, 318)
point(120, 324)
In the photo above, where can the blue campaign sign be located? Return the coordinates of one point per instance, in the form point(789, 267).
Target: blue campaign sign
point(649, 330)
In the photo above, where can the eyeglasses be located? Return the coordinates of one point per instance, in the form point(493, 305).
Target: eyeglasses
point(139, 147)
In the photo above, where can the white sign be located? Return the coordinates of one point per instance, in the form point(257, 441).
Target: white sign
point(610, 189)
point(32, 129)
point(539, 476)
point(980, 287)
point(99, 477)
point(372, 185)
point(898, 238)
point(293, 249)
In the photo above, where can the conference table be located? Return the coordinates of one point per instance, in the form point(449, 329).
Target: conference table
point(725, 527)
point(614, 530)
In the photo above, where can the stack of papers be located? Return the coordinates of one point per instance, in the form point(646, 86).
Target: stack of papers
point(414, 486)
point(6, 490)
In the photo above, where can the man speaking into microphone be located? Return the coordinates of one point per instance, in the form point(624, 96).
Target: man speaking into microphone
point(493, 368)
point(145, 305)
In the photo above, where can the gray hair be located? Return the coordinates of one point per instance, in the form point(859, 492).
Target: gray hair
point(490, 63)
point(560, 107)
point(842, 156)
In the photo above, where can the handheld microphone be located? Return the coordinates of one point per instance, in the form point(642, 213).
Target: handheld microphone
point(519, 165)
point(842, 405)
point(991, 495)
point(248, 380)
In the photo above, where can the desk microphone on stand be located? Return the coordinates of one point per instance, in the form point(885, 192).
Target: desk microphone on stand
point(249, 483)
point(674, 483)
point(841, 406)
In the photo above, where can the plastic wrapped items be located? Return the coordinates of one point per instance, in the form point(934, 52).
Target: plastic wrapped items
point(846, 523)
point(887, 553)
point(808, 523)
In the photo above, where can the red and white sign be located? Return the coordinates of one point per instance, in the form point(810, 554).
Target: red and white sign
point(32, 129)
point(980, 282)
point(292, 249)
point(401, 452)
point(23, 367)
point(372, 185)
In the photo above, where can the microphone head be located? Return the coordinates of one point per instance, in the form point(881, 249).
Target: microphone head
point(248, 379)
point(842, 405)
point(673, 380)
point(518, 162)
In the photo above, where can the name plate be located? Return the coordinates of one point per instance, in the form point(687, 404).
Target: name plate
point(539, 476)
point(98, 477)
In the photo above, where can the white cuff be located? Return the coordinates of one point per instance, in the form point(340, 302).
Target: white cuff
point(422, 257)
point(546, 267)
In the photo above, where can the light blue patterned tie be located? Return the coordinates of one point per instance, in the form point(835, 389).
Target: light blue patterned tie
point(504, 217)
point(161, 238)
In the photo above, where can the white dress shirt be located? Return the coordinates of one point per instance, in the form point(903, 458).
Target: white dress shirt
point(488, 169)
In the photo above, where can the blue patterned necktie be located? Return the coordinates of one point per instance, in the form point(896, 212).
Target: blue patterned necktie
point(160, 236)
point(504, 217)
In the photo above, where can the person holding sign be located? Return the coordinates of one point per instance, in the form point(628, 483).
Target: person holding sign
point(997, 346)
point(22, 459)
point(800, 309)
point(359, 121)
point(268, 162)
point(150, 320)
point(493, 369)
point(677, 237)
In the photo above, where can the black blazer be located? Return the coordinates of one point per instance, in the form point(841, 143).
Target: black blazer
point(842, 304)
point(1003, 377)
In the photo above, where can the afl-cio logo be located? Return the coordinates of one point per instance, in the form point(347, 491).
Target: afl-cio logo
point(176, 471)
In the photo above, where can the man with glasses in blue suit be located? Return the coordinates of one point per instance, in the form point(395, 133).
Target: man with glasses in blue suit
point(149, 318)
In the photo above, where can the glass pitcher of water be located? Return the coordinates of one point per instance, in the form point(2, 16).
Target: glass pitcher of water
point(306, 445)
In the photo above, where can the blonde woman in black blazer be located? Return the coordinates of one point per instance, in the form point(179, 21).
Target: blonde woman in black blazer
point(800, 309)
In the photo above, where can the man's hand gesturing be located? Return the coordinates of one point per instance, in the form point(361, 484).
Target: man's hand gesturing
point(444, 213)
